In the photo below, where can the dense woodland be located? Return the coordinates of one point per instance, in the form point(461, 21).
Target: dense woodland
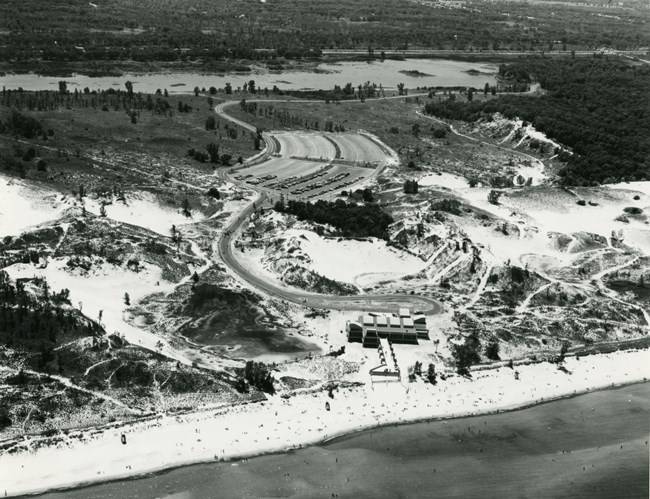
point(597, 106)
point(190, 30)
point(350, 219)
point(37, 320)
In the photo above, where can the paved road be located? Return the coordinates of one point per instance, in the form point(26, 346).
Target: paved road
point(362, 302)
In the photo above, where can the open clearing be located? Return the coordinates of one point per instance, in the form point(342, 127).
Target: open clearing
point(34, 205)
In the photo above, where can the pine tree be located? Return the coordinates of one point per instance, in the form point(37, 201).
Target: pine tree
point(186, 208)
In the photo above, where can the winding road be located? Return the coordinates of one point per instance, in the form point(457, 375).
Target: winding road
point(225, 249)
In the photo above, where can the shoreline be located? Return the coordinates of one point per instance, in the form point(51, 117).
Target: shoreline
point(119, 67)
point(83, 476)
point(334, 439)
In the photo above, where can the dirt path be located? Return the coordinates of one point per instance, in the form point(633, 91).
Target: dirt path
point(481, 287)
point(539, 162)
point(438, 276)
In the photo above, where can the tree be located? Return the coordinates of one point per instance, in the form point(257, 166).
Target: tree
point(470, 94)
point(210, 123)
point(415, 129)
point(466, 353)
point(127, 299)
point(486, 89)
point(210, 102)
point(213, 151)
point(411, 187)
point(492, 351)
point(258, 375)
point(195, 277)
point(228, 88)
point(251, 86)
point(563, 351)
point(400, 88)
point(129, 88)
point(415, 371)
point(214, 193)
point(102, 211)
point(196, 91)
point(63, 87)
point(439, 132)
point(186, 208)
point(493, 196)
point(5, 417)
point(431, 374)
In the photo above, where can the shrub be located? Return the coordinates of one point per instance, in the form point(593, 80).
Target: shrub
point(258, 376)
point(467, 354)
point(492, 351)
point(493, 196)
point(439, 133)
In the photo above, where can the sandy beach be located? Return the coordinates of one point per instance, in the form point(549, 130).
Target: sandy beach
point(564, 448)
point(35, 464)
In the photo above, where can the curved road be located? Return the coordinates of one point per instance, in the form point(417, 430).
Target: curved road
point(361, 302)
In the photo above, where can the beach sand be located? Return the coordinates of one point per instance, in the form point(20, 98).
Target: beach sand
point(280, 424)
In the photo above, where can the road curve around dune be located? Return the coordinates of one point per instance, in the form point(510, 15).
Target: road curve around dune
point(386, 303)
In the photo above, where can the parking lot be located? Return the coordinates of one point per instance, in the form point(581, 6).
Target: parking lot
point(314, 164)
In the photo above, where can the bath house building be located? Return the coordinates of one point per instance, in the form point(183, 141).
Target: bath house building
point(398, 328)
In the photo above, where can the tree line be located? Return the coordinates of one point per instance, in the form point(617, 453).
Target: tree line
point(224, 31)
point(596, 106)
point(349, 219)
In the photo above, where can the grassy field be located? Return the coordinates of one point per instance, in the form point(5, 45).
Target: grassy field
point(156, 143)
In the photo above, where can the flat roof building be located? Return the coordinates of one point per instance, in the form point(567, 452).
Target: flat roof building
point(398, 328)
point(404, 312)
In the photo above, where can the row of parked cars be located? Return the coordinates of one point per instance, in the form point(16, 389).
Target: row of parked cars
point(317, 185)
point(260, 180)
point(287, 183)
point(292, 181)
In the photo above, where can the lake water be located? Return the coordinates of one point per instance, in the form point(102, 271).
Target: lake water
point(440, 72)
point(590, 446)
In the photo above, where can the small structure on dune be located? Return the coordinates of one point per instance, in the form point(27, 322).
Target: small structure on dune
point(398, 328)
